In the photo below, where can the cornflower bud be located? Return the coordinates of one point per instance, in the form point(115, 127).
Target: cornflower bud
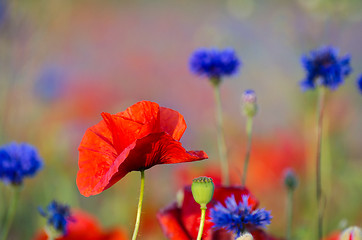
point(202, 190)
point(248, 103)
point(290, 179)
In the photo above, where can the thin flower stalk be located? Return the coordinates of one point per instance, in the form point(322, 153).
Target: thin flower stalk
point(321, 103)
point(15, 192)
point(202, 223)
point(249, 130)
point(139, 208)
point(220, 134)
point(289, 214)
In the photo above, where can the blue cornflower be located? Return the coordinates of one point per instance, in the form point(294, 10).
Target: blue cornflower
point(359, 83)
point(235, 216)
point(214, 63)
point(324, 67)
point(57, 216)
point(18, 161)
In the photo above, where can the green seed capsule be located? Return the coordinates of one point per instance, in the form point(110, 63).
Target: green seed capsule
point(202, 190)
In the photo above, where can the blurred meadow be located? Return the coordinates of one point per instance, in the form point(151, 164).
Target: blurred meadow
point(64, 62)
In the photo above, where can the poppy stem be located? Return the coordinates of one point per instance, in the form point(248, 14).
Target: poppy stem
point(220, 133)
point(249, 130)
point(202, 223)
point(142, 188)
point(15, 192)
point(321, 96)
point(289, 213)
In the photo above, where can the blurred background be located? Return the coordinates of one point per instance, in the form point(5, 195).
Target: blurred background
point(64, 62)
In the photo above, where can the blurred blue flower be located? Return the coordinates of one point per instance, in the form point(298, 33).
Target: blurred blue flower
point(18, 161)
point(3, 10)
point(50, 83)
point(324, 67)
point(359, 83)
point(57, 216)
point(214, 63)
point(235, 216)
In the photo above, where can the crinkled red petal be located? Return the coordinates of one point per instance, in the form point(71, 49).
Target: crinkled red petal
point(170, 220)
point(107, 145)
point(156, 148)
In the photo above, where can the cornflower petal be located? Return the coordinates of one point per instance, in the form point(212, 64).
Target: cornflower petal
point(18, 161)
point(214, 63)
point(324, 67)
point(235, 216)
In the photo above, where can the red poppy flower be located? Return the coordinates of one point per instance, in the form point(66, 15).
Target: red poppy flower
point(84, 226)
point(181, 221)
point(140, 137)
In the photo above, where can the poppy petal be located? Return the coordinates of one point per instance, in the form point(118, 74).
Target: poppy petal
point(172, 122)
point(156, 148)
point(170, 221)
point(140, 137)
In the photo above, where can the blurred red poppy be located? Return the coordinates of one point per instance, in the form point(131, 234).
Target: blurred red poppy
point(333, 236)
point(84, 226)
point(269, 158)
point(140, 137)
point(180, 221)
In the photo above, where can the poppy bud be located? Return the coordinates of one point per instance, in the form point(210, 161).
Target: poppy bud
point(290, 179)
point(202, 190)
point(248, 103)
point(354, 233)
point(246, 236)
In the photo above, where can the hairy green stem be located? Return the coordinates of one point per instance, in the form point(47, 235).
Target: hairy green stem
point(202, 223)
point(289, 214)
point(138, 219)
point(321, 96)
point(220, 134)
point(11, 211)
point(249, 130)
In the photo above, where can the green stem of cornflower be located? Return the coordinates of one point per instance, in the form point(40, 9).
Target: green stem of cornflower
point(220, 133)
point(249, 130)
point(202, 223)
point(11, 211)
point(321, 96)
point(289, 214)
point(138, 219)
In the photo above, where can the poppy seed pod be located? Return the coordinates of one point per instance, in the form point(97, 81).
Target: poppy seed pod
point(202, 190)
